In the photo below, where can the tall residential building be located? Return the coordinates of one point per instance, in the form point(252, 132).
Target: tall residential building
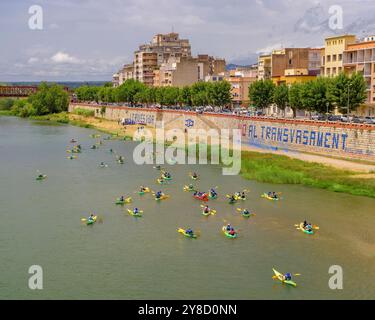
point(144, 65)
point(360, 57)
point(332, 55)
point(264, 67)
point(292, 65)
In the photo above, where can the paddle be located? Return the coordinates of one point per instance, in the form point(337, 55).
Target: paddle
point(314, 227)
point(296, 274)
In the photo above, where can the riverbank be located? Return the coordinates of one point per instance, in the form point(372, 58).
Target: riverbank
point(261, 166)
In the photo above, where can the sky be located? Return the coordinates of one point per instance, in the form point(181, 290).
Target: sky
point(88, 40)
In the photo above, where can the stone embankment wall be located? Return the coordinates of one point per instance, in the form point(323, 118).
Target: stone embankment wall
point(325, 138)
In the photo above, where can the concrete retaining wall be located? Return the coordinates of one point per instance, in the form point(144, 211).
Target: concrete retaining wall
point(326, 138)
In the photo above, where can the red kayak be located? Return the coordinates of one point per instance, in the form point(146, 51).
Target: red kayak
point(203, 197)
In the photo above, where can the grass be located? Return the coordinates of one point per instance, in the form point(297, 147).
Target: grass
point(271, 168)
point(6, 113)
point(84, 112)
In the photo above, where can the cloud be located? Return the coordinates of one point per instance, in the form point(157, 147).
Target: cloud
point(32, 60)
point(62, 57)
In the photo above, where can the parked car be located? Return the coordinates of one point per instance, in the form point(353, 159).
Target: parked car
point(332, 117)
point(370, 120)
point(358, 120)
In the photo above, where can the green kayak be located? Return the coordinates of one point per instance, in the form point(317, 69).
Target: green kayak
point(227, 234)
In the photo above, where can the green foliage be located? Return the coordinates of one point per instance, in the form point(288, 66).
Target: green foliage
point(219, 93)
point(295, 101)
point(49, 99)
point(281, 97)
point(314, 95)
point(84, 112)
point(6, 103)
point(23, 108)
point(344, 90)
point(261, 93)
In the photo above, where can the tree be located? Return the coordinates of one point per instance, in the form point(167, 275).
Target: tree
point(261, 93)
point(49, 99)
point(281, 97)
point(345, 91)
point(295, 97)
point(128, 91)
point(199, 94)
point(314, 96)
point(219, 93)
point(185, 96)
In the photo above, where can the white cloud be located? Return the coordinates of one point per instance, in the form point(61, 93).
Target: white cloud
point(270, 48)
point(32, 60)
point(62, 57)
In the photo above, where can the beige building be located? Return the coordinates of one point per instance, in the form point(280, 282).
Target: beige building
point(264, 67)
point(144, 65)
point(240, 80)
point(184, 71)
point(332, 54)
point(360, 57)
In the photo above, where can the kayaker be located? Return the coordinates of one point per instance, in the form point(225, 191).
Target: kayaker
point(158, 195)
point(194, 175)
point(229, 227)
point(143, 189)
point(122, 199)
point(102, 164)
point(288, 276)
point(246, 212)
point(232, 232)
point(232, 198)
point(111, 150)
point(243, 195)
point(207, 209)
point(158, 167)
point(213, 192)
point(135, 211)
point(91, 217)
point(40, 176)
point(189, 232)
point(191, 187)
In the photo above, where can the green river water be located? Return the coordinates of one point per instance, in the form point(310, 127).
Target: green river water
point(145, 258)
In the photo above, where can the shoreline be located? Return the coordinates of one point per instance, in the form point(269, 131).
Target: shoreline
point(259, 165)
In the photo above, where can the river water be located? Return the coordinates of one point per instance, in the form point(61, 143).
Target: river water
point(145, 258)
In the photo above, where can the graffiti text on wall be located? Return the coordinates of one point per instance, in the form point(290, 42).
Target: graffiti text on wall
point(314, 138)
point(142, 118)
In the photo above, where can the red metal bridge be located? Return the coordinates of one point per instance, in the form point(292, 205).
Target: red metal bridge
point(20, 91)
point(17, 91)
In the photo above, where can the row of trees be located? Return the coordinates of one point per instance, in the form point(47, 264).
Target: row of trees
point(48, 99)
point(133, 92)
point(321, 95)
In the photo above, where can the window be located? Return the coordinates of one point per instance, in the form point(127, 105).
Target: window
point(328, 58)
point(340, 57)
point(334, 57)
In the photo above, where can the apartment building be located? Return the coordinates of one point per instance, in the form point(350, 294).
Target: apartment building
point(184, 71)
point(240, 80)
point(264, 67)
point(292, 65)
point(360, 57)
point(332, 54)
point(144, 65)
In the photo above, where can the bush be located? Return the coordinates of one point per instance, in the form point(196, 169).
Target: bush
point(6, 104)
point(84, 112)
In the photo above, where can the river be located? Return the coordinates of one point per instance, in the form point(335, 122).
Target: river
point(145, 258)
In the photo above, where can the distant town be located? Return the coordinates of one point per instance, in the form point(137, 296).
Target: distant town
point(167, 61)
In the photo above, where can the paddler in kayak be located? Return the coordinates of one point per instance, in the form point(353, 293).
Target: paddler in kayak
point(213, 193)
point(246, 212)
point(191, 187)
point(189, 232)
point(307, 226)
point(40, 176)
point(122, 199)
point(206, 209)
point(166, 175)
point(93, 146)
point(194, 175)
point(136, 211)
point(243, 195)
point(228, 227)
point(142, 189)
point(111, 150)
point(273, 195)
point(91, 217)
point(287, 276)
point(158, 195)
point(232, 198)
point(232, 232)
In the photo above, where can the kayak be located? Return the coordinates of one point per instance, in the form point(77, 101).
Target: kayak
point(211, 212)
point(212, 196)
point(281, 278)
point(91, 221)
point(186, 188)
point(41, 178)
point(139, 214)
point(247, 215)
point(127, 200)
point(194, 178)
point(120, 161)
point(304, 230)
point(232, 201)
point(144, 191)
point(72, 157)
point(166, 178)
point(203, 197)
point(163, 197)
point(227, 234)
point(265, 195)
point(103, 165)
point(161, 181)
point(183, 231)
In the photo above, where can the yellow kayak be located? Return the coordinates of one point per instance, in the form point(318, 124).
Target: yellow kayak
point(280, 277)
